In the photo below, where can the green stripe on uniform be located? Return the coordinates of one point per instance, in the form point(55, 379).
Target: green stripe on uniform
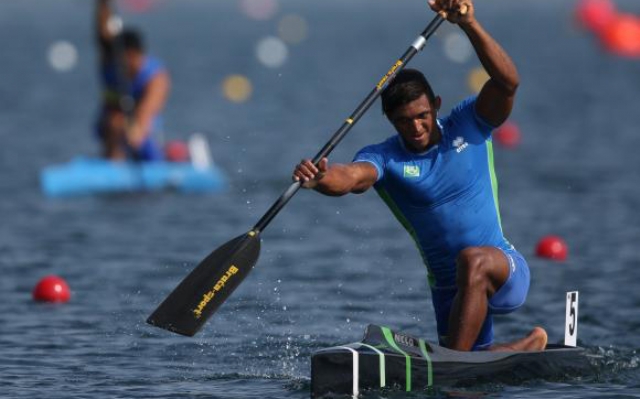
point(405, 223)
point(388, 335)
point(494, 179)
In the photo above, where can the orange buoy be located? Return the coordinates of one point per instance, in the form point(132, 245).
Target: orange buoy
point(552, 247)
point(622, 36)
point(52, 289)
point(507, 135)
point(176, 151)
point(595, 15)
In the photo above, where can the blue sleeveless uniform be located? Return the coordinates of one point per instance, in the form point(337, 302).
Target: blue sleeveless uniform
point(446, 198)
point(150, 149)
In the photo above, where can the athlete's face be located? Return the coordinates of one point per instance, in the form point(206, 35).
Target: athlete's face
point(133, 60)
point(416, 123)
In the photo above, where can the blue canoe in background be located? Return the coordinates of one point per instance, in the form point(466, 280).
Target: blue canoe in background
point(86, 176)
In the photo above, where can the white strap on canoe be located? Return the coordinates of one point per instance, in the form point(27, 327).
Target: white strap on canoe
point(356, 370)
point(571, 319)
point(199, 151)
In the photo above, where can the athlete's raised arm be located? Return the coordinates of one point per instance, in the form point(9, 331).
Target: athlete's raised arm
point(104, 32)
point(336, 179)
point(496, 98)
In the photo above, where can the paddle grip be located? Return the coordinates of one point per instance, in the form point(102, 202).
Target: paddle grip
point(463, 11)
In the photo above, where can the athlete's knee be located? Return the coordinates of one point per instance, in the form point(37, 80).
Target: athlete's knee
point(471, 268)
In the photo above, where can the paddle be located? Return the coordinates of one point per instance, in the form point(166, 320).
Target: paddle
point(126, 101)
point(114, 55)
point(198, 296)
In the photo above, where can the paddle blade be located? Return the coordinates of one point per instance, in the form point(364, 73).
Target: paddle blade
point(195, 299)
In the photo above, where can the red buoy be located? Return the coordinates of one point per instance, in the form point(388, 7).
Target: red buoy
point(176, 151)
point(552, 247)
point(52, 289)
point(595, 15)
point(507, 135)
point(622, 36)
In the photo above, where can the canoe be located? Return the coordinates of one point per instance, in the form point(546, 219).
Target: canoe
point(393, 360)
point(86, 176)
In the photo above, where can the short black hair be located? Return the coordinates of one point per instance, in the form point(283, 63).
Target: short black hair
point(408, 85)
point(131, 39)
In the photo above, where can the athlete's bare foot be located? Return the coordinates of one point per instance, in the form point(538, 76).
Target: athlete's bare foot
point(535, 341)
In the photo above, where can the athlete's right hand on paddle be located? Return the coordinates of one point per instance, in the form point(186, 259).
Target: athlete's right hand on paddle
point(135, 135)
point(455, 11)
point(307, 173)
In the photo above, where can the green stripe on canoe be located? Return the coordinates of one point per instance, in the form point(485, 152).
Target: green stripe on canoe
point(423, 349)
point(383, 371)
point(388, 335)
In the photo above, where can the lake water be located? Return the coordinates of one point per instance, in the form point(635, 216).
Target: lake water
point(328, 266)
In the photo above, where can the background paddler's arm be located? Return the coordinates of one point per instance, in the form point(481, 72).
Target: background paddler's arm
point(152, 102)
point(104, 30)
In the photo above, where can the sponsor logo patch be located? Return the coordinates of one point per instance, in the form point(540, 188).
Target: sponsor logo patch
point(459, 144)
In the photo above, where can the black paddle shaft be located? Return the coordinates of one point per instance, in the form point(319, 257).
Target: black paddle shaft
point(126, 102)
point(206, 288)
point(415, 47)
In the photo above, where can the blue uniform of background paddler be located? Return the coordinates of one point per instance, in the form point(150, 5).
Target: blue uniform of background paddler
point(136, 87)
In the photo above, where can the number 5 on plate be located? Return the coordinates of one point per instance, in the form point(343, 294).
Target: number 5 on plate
point(571, 321)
